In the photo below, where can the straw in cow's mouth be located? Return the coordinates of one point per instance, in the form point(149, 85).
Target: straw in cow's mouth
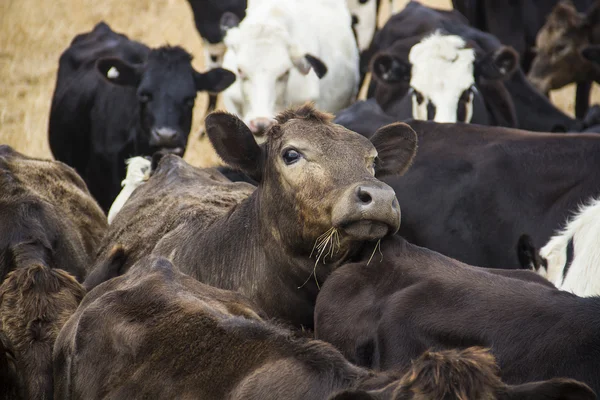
point(327, 244)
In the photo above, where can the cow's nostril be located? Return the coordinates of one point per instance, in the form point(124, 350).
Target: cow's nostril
point(364, 196)
point(214, 58)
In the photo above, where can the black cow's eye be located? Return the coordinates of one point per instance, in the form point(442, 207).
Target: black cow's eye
point(290, 156)
point(145, 97)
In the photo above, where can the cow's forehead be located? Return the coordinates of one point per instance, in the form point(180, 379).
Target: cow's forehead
point(441, 63)
point(324, 137)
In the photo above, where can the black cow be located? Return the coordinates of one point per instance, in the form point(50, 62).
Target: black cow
point(513, 102)
point(473, 190)
point(116, 98)
point(207, 17)
point(516, 24)
point(385, 312)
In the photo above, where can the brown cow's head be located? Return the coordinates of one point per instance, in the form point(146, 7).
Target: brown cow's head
point(35, 302)
point(559, 46)
point(317, 177)
point(467, 374)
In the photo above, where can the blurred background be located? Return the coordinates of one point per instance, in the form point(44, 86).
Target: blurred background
point(34, 33)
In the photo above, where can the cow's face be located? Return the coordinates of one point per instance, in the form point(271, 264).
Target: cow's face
point(443, 74)
point(559, 44)
point(316, 177)
point(267, 62)
point(166, 89)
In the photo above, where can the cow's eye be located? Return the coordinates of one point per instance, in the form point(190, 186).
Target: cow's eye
point(290, 156)
point(145, 97)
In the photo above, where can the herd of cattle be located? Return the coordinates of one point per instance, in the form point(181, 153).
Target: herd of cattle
point(127, 273)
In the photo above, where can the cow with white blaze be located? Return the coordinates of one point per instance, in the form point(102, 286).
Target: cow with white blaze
point(285, 53)
point(571, 258)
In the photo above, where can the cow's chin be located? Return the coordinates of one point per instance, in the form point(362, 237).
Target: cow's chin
point(163, 151)
point(365, 230)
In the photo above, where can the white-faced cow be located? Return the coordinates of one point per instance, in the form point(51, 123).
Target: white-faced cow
point(158, 333)
point(317, 202)
point(285, 53)
point(116, 98)
point(503, 96)
point(571, 258)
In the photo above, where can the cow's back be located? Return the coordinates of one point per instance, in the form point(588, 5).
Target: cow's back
point(176, 194)
point(46, 204)
point(473, 190)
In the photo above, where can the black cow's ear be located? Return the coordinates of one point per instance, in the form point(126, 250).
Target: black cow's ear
point(553, 389)
point(228, 20)
point(591, 53)
point(390, 69)
point(234, 143)
point(498, 64)
point(214, 81)
point(108, 268)
point(317, 64)
point(120, 72)
point(396, 146)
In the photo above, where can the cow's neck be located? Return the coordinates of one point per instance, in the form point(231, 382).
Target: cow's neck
point(264, 262)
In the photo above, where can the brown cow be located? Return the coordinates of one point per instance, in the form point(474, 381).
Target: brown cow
point(35, 302)
point(410, 299)
point(158, 333)
point(561, 48)
point(317, 196)
point(46, 214)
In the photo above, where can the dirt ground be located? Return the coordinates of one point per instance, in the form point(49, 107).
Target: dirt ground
point(33, 34)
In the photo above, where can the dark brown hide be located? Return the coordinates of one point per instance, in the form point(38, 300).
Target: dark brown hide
point(35, 302)
point(385, 313)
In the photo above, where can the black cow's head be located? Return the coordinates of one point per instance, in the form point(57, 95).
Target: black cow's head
point(166, 90)
point(443, 72)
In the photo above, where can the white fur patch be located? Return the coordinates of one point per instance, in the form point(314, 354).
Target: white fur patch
point(583, 276)
point(442, 69)
point(112, 73)
point(367, 21)
point(138, 172)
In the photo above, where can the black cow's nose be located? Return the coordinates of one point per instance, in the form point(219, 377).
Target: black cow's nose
point(164, 137)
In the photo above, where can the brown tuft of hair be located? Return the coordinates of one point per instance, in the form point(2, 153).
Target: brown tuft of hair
point(471, 373)
point(307, 112)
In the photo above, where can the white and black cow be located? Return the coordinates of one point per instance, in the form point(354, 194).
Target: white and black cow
point(285, 53)
point(116, 98)
point(571, 258)
point(503, 97)
point(207, 17)
point(443, 73)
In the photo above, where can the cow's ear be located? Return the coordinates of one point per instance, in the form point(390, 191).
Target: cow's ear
point(215, 80)
point(307, 61)
point(388, 68)
point(498, 64)
point(120, 72)
point(396, 146)
point(553, 389)
point(110, 267)
point(234, 143)
point(228, 20)
point(592, 53)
